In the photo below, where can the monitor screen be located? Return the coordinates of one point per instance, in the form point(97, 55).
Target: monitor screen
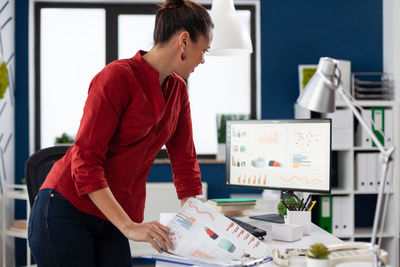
point(286, 155)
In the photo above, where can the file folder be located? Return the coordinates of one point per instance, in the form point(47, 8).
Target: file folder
point(378, 116)
point(336, 216)
point(372, 173)
point(389, 177)
point(341, 216)
point(383, 120)
point(324, 214)
point(363, 139)
point(361, 171)
point(388, 127)
point(341, 128)
point(347, 227)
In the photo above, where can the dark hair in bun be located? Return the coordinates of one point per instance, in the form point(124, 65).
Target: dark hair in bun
point(174, 3)
point(175, 15)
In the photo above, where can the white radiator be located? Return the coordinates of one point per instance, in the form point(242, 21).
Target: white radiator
point(160, 197)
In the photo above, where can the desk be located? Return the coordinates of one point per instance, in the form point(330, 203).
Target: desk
point(317, 235)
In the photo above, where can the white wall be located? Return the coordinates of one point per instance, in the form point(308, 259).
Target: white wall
point(391, 65)
point(7, 104)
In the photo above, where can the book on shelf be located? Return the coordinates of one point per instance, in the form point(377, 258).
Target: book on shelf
point(231, 201)
point(19, 226)
point(22, 224)
point(235, 213)
point(231, 208)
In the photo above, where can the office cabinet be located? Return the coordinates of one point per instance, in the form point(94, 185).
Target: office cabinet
point(356, 173)
point(9, 228)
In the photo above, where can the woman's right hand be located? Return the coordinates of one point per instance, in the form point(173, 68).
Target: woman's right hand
point(153, 232)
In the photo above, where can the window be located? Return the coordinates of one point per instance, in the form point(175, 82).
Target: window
point(72, 51)
point(74, 41)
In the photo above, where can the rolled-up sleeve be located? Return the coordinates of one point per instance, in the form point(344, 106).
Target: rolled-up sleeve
point(107, 99)
point(182, 153)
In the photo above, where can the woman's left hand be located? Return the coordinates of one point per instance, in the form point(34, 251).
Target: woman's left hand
point(183, 200)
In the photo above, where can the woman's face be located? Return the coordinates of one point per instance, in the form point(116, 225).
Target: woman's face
point(194, 54)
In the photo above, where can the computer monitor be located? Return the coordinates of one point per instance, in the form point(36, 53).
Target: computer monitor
point(287, 155)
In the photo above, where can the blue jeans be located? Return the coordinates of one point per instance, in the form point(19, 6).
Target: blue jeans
point(61, 235)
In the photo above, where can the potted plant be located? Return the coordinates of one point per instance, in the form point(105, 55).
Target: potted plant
point(64, 139)
point(291, 201)
point(317, 256)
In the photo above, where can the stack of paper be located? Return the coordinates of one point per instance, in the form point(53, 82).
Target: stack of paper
point(232, 206)
point(372, 86)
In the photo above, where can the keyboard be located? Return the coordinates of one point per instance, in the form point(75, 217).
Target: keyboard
point(257, 232)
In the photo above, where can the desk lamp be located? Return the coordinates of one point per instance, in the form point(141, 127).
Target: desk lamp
point(319, 96)
point(230, 37)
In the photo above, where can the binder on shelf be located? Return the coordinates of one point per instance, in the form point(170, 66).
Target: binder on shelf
point(336, 216)
point(362, 137)
point(341, 129)
point(378, 117)
point(389, 177)
point(388, 127)
point(347, 228)
point(341, 216)
point(368, 173)
point(323, 217)
point(372, 166)
point(361, 171)
point(383, 120)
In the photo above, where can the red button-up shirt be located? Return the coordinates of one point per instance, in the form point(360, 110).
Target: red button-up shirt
point(127, 118)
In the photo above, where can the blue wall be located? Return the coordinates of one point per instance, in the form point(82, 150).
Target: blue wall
point(300, 32)
point(293, 32)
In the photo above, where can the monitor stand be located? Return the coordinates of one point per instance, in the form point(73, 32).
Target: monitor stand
point(274, 217)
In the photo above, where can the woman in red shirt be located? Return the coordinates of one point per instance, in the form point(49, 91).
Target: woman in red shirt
point(93, 199)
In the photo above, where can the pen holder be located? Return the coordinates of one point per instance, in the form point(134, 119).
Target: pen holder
point(302, 218)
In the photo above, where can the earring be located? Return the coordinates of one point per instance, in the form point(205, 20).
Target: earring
point(183, 56)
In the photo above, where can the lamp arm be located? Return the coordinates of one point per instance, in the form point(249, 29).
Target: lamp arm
point(384, 212)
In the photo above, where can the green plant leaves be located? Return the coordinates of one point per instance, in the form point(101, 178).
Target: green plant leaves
point(318, 251)
point(3, 79)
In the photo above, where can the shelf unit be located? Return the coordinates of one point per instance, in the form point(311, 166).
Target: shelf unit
point(360, 203)
point(14, 192)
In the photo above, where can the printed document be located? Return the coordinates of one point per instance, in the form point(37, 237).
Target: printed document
point(201, 233)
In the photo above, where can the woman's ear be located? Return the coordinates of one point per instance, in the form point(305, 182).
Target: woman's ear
point(184, 39)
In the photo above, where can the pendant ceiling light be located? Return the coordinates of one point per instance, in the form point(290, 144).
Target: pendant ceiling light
point(230, 37)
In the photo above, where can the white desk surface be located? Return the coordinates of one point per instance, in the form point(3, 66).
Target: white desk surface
point(317, 235)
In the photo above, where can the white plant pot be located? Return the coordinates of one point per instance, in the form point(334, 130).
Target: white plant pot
point(221, 152)
point(317, 262)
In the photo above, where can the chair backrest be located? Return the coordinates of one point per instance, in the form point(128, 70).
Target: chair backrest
point(39, 165)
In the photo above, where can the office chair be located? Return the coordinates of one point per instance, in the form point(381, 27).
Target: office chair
point(39, 165)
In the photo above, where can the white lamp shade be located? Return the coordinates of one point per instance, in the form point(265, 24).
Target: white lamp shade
point(230, 37)
point(319, 93)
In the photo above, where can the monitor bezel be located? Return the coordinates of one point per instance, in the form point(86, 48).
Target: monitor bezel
point(228, 153)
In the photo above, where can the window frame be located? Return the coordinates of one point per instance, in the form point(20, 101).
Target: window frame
point(112, 11)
